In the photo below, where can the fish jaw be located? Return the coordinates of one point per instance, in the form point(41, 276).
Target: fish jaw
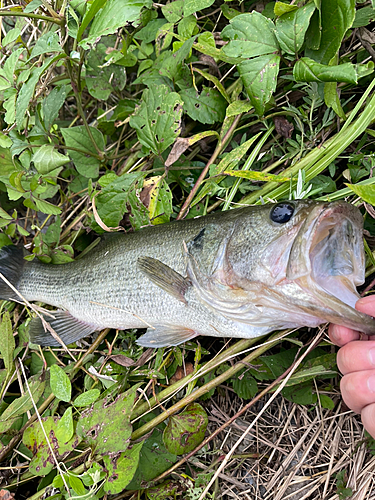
point(327, 261)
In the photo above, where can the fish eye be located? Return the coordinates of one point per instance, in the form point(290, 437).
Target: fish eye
point(282, 213)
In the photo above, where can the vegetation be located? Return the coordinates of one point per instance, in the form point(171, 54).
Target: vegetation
point(116, 114)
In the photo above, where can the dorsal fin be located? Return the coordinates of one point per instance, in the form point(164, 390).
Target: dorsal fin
point(165, 277)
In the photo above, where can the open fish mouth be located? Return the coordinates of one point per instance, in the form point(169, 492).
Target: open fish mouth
point(327, 260)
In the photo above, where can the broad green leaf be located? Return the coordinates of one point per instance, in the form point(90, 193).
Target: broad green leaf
point(259, 76)
point(159, 199)
point(307, 70)
point(206, 107)
point(173, 11)
point(111, 203)
point(244, 385)
point(11, 36)
point(102, 78)
point(281, 8)
point(291, 28)
point(87, 398)
point(78, 138)
point(121, 469)
point(60, 383)
point(363, 17)
point(10, 65)
point(77, 485)
point(301, 394)
point(250, 35)
point(238, 107)
point(326, 402)
point(49, 42)
point(89, 16)
point(65, 428)
point(47, 158)
point(169, 489)
point(148, 33)
point(7, 343)
point(53, 103)
point(332, 99)
point(42, 206)
point(154, 459)
point(27, 89)
point(33, 5)
point(106, 425)
point(186, 430)
point(157, 119)
point(33, 437)
point(192, 6)
point(367, 193)
point(113, 15)
point(21, 405)
point(337, 18)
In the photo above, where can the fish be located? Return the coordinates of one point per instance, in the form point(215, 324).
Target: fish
point(241, 273)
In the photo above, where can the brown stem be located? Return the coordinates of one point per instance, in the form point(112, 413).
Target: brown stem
point(203, 174)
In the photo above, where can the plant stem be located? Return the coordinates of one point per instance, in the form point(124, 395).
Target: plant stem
point(10, 13)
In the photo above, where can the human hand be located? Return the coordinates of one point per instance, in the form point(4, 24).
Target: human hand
point(356, 361)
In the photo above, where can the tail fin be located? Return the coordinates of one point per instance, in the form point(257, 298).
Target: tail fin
point(11, 267)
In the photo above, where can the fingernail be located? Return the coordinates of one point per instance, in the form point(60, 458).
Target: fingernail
point(371, 355)
point(371, 383)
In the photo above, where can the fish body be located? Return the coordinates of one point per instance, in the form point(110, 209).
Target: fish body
point(240, 273)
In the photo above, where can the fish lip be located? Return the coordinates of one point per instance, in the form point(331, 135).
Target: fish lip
point(299, 262)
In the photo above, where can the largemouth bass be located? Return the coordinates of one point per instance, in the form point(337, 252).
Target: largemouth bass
point(240, 273)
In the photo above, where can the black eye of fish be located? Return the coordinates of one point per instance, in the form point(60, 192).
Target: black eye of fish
point(282, 213)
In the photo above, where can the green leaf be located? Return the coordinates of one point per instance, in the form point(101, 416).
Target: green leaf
point(78, 137)
point(281, 8)
point(27, 89)
point(157, 119)
point(121, 469)
point(192, 6)
point(307, 70)
point(102, 78)
point(326, 402)
point(301, 394)
point(206, 107)
point(42, 206)
point(245, 385)
point(9, 67)
point(47, 158)
point(332, 99)
point(77, 485)
point(363, 17)
point(154, 459)
point(186, 430)
point(60, 383)
point(106, 425)
point(367, 193)
point(250, 35)
point(53, 103)
point(43, 462)
point(113, 15)
point(11, 36)
point(21, 405)
point(291, 28)
point(65, 428)
point(173, 11)
point(159, 199)
point(7, 342)
point(87, 398)
point(259, 76)
point(49, 42)
point(238, 107)
point(111, 202)
point(337, 18)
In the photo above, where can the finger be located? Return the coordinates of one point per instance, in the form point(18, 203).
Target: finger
point(358, 389)
point(366, 305)
point(356, 356)
point(340, 335)
point(368, 419)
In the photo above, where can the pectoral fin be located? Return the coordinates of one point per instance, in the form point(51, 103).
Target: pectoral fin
point(165, 277)
point(166, 335)
point(68, 328)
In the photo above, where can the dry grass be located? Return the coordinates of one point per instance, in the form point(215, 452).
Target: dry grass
point(293, 452)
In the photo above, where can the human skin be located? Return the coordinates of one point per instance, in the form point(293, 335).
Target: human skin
point(356, 361)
